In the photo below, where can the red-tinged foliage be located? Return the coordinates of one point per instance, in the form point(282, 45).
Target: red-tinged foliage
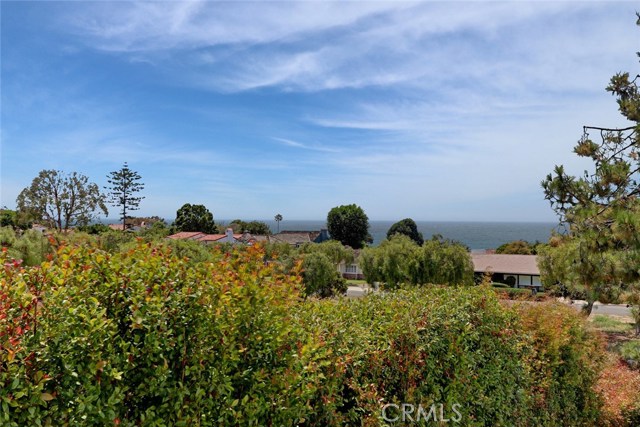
point(620, 389)
point(149, 336)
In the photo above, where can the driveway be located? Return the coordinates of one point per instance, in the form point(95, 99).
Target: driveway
point(356, 291)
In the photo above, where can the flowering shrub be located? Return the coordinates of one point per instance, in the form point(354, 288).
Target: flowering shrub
point(149, 337)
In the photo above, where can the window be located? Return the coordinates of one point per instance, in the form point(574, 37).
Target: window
point(351, 268)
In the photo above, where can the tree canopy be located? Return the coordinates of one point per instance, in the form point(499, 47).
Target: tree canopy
point(278, 218)
point(195, 218)
point(400, 260)
point(349, 225)
point(519, 247)
point(124, 184)
point(61, 200)
point(408, 228)
point(259, 228)
point(600, 209)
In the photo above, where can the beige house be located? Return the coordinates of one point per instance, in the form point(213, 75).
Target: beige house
point(350, 270)
point(519, 271)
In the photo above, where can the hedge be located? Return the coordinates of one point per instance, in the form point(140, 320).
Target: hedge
point(150, 338)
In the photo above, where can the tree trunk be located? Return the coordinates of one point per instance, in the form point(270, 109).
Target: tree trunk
point(588, 307)
point(591, 298)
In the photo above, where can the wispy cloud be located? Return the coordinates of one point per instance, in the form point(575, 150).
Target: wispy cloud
point(409, 106)
point(315, 147)
point(373, 43)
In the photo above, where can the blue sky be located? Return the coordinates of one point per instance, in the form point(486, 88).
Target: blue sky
point(431, 110)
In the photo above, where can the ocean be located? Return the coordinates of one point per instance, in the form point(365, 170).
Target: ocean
point(476, 235)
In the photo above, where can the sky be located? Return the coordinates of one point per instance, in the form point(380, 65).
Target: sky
point(443, 111)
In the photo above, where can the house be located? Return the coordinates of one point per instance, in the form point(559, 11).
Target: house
point(227, 237)
point(294, 238)
point(117, 227)
point(298, 238)
point(519, 271)
point(39, 227)
point(351, 270)
point(187, 235)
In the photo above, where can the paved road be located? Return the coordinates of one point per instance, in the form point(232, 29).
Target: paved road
point(598, 308)
point(355, 291)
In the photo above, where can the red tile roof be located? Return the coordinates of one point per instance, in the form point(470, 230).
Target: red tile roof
point(211, 237)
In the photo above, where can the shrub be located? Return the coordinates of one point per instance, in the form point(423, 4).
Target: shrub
point(565, 365)
point(147, 336)
point(460, 345)
point(320, 276)
point(31, 246)
point(619, 387)
point(112, 241)
point(500, 285)
point(630, 352)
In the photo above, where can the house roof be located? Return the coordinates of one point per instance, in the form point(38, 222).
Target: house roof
point(292, 237)
point(187, 235)
point(509, 264)
point(211, 237)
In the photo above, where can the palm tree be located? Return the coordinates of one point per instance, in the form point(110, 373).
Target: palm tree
point(278, 218)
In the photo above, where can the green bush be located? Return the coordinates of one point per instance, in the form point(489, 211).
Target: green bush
point(500, 285)
point(443, 345)
point(564, 366)
point(149, 337)
point(146, 338)
point(630, 351)
point(320, 276)
point(112, 241)
point(30, 246)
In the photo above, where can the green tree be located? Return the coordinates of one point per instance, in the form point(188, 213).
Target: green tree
point(123, 186)
point(158, 230)
point(445, 262)
point(94, 228)
point(407, 227)
point(278, 218)
point(349, 225)
point(601, 208)
point(61, 200)
point(333, 249)
point(16, 219)
point(195, 218)
point(7, 218)
point(400, 260)
point(254, 227)
point(518, 247)
point(394, 262)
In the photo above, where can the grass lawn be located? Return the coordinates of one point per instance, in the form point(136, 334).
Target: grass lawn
point(611, 324)
point(353, 282)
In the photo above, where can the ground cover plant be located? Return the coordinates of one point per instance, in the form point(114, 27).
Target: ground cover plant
point(619, 382)
point(148, 336)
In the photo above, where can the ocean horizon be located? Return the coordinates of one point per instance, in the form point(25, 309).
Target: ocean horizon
point(477, 235)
